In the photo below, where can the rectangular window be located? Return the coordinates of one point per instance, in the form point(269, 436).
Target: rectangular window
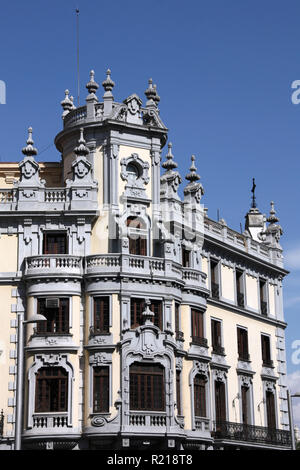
point(177, 321)
point(216, 337)
point(239, 288)
point(55, 243)
point(185, 257)
point(198, 328)
point(242, 339)
point(57, 317)
point(245, 405)
point(214, 279)
point(220, 402)
point(199, 396)
point(271, 413)
point(147, 387)
point(51, 393)
point(101, 390)
point(101, 315)
point(178, 391)
point(263, 297)
point(137, 306)
point(266, 351)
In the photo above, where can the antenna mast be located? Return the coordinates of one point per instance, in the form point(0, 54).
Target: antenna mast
point(77, 38)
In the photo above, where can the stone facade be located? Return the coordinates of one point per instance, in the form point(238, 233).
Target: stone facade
point(103, 234)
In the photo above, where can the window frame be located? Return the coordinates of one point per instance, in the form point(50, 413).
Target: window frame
point(139, 396)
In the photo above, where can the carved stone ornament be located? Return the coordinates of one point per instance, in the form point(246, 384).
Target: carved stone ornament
point(246, 381)
point(98, 421)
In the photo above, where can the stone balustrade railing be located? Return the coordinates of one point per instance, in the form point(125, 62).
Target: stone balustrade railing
point(141, 418)
point(57, 265)
point(46, 421)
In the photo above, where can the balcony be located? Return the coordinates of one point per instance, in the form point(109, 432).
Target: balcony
point(144, 267)
point(53, 265)
point(46, 421)
point(147, 419)
point(199, 341)
point(226, 430)
point(202, 424)
point(218, 350)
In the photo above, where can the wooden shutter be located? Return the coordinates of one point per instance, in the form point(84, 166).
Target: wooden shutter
point(101, 314)
point(244, 393)
point(197, 324)
point(271, 415)
point(220, 402)
point(200, 396)
point(147, 387)
point(136, 309)
point(216, 334)
point(51, 390)
point(101, 390)
point(265, 349)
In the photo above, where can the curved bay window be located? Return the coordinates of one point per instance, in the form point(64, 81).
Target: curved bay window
point(57, 313)
point(137, 234)
point(101, 390)
point(51, 393)
point(147, 387)
point(200, 395)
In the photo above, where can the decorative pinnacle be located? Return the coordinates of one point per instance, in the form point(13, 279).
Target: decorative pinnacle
point(29, 150)
point(108, 84)
point(81, 150)
point(151, 91)
point(169, 164)
point(92, 86)
point(272, 218)
point(156, 99)
point(193, 176)
point(147, 313)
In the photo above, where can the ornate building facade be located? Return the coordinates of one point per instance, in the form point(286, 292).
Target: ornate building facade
point(161, 327)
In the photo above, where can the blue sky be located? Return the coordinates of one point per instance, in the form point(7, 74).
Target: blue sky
point(223, 70)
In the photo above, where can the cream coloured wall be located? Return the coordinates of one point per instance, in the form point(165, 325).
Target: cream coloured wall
point(227, 280)
point(9, 251)
point(251, 291)
point(230, 321)
point(272, 294)
point(186, 393)
point(6, 345)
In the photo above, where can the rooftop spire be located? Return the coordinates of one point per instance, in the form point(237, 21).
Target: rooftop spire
point(29, 150)
point(193, 176)
point(151, 94)
point(67, 104)
point(272, 218)
point(156, 99)
point(92, 86)
point(169, 164)
point(253, 194)
point(81, 150)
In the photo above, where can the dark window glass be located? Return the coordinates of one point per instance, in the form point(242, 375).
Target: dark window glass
point(200, 396)
point(242, 337)
point(51, 390)
point(137, 240)
point(216, 335)
point(177, 322)
point(245, 404)
point(147, 387)
point(220, 402)
point(101, 390)
point(185, 258)
point(178, 391)
point(55, 243)
point(271, 414)
point(57, 318)
point(101, 314)
point(197, 325)
point(266, 350)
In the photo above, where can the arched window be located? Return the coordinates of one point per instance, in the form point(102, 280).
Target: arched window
point(200, 395)
point(133, 172)
point(137, 234)
point(147, 387)
point(51, 390)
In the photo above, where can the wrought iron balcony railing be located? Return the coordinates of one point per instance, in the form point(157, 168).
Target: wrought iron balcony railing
point(217, 349)
point(253, 434)
point(1, 424)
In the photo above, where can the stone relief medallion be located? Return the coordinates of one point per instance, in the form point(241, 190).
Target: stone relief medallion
point(98, 421)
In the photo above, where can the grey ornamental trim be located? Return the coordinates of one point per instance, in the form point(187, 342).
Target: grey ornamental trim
point(200, 367)
point(247, 313)
point(250, 259)
point(246, 380)
point(219, 374)
point(269, 385)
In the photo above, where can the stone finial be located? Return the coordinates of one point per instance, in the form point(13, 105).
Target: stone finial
point(272, 219)
point(151, 94)
point(108, 84)
point(169, 164)
point(81, 150)
point(29, 150)
point(67, 104)
point(193, 176)
point(156, 99)
point(92, 86)
point(72, 100)
point(147, 314)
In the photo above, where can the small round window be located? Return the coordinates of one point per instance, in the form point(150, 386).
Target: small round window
point(133, 171)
